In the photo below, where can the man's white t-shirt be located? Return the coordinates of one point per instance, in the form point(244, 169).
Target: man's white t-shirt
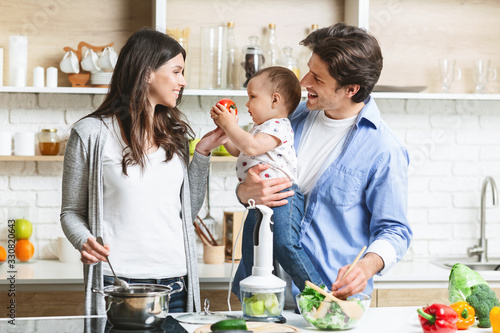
point(142, 221)
point(317, 146)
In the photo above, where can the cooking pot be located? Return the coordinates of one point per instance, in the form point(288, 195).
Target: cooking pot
point(142, 306)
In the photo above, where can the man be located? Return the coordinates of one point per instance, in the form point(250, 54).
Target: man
point(351, 168)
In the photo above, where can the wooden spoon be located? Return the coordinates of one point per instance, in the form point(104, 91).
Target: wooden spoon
point(355, 261)
point(351, 308)
point(323, 307)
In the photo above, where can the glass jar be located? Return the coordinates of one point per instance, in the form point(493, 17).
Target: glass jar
point(289, 61)
point(254, 59)
point(49, 142)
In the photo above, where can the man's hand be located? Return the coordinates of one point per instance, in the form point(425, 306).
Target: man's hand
point(93, 252)
point(264, 191)
point(357, 279)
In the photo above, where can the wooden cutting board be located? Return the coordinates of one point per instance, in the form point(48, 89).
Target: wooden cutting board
point(257, 326)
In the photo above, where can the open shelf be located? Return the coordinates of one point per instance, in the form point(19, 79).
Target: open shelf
point(60, 158)
point(36, 158)
point(242, 92)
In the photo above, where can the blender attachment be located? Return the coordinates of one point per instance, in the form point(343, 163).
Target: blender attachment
point(262, 293)
point(205, 317)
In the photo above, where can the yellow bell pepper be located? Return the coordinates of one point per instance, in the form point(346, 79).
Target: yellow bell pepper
point(495, 319)
point(466, 315)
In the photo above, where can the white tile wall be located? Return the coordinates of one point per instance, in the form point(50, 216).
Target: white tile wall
point(453, 145)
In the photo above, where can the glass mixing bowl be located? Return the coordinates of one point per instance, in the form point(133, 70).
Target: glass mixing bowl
point(331, 317)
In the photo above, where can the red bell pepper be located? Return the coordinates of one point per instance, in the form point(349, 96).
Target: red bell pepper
point(438, 318)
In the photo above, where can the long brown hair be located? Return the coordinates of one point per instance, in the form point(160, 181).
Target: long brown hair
point(353, 56)
point(127, 99)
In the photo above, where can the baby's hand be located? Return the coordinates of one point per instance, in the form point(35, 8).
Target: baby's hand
point(222, 116)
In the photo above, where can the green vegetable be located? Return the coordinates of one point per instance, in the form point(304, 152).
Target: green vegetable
point(229, 324)
point(308, 295)
point(309, 302)
point(262, 305)
point(482, 299)
point(462, 279)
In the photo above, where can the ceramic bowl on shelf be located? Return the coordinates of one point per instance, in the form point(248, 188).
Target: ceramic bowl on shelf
point(331, 317)
point(100, 78)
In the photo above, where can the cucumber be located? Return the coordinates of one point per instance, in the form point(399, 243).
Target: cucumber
point(229, 324)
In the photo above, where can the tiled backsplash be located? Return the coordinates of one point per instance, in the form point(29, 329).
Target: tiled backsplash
point(452, 144)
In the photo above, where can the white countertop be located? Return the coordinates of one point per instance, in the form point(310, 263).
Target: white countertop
point(55, 275)
point(386, 320)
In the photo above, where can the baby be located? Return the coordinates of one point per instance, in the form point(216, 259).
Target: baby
point(273, 94)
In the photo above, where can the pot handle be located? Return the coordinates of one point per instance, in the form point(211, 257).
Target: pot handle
point(178, 283)
point(99, 291)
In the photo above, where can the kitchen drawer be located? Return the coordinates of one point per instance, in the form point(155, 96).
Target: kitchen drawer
point(46, 303)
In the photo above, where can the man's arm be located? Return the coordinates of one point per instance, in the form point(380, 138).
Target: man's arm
point(264, 191)
point(357, 279)
point(386, 199)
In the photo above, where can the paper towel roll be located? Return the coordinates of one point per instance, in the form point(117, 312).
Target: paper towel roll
point(18, 58)
point(24, 144)
point(5, 144)
point(38, 77)
point(1, 67)
point(51, 77)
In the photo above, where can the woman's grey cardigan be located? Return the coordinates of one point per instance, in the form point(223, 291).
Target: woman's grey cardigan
point(82, 205)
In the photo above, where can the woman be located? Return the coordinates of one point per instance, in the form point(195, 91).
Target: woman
point(126, 177)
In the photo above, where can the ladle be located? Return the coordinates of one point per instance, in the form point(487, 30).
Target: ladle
point(351, 308)
point(118, 282)
point(209, 220)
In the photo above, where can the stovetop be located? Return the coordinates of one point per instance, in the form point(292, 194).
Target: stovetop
point(80, 324)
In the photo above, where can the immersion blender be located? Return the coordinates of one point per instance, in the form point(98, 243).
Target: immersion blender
point(262, 293)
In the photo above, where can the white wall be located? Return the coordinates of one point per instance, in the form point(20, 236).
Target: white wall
point(453, 145)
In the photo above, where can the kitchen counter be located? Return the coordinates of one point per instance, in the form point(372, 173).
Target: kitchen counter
point(51, 275)
point(387, 320)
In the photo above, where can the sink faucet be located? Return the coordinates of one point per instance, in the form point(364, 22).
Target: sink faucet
point(481, 250)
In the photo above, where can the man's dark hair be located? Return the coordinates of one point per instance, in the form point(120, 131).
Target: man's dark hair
point(353, 56)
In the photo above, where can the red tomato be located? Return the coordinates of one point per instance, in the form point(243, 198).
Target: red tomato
point(229, 104)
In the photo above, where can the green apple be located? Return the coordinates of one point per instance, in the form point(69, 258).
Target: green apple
point(23, 229)
point(223, 151)
point(258, 308)
point(192, 145)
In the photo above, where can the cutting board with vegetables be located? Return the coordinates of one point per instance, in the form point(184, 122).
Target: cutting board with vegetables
point(256, 326)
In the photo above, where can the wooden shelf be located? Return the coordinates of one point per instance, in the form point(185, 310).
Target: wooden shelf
point(36, 158)
point(60, 158)
point(242, 93)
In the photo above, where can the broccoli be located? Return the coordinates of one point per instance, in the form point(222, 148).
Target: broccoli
point(482, 299)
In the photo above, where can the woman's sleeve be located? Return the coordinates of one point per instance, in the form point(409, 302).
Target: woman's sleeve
point(198, 174)
point(75, 182)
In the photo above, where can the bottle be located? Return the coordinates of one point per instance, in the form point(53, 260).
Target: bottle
point(232, 66)
point(270, 48)
point(49, 142)
point(254, 59)
point(305, 54)
point(289, 61)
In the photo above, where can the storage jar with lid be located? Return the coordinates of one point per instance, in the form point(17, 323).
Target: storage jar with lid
point(254, 59)
point(49, 142)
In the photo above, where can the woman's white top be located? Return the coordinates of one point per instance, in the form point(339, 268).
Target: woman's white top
point(142, 222)
point(282, 159)
point(318, 146)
